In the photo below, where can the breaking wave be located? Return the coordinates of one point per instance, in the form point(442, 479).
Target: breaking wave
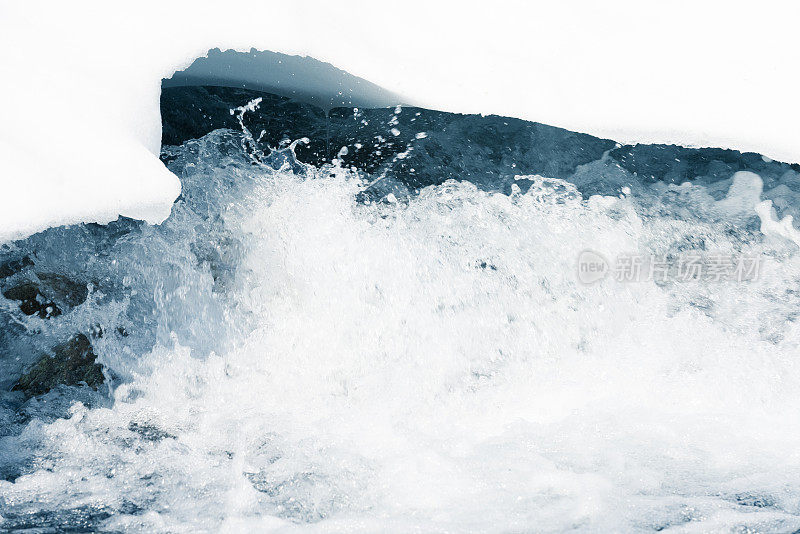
point(280, 354)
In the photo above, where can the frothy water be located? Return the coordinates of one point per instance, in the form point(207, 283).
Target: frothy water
point(282, 356)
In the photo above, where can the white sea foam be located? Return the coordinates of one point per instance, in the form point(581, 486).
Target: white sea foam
point(435, 365)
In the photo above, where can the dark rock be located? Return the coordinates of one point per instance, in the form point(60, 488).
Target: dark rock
point(382, 141)
point(49, 297)
point(12, 267)
point(32, 301)
point(192, 112)
point(63, 290)
point(486, 150)
point(677, 164)
point(72, 363)
point(420, 147)
point(301, 78)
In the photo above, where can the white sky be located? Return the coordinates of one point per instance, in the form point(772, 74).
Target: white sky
point(79, 120)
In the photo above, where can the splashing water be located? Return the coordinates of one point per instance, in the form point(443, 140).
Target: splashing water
point(294, 359)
